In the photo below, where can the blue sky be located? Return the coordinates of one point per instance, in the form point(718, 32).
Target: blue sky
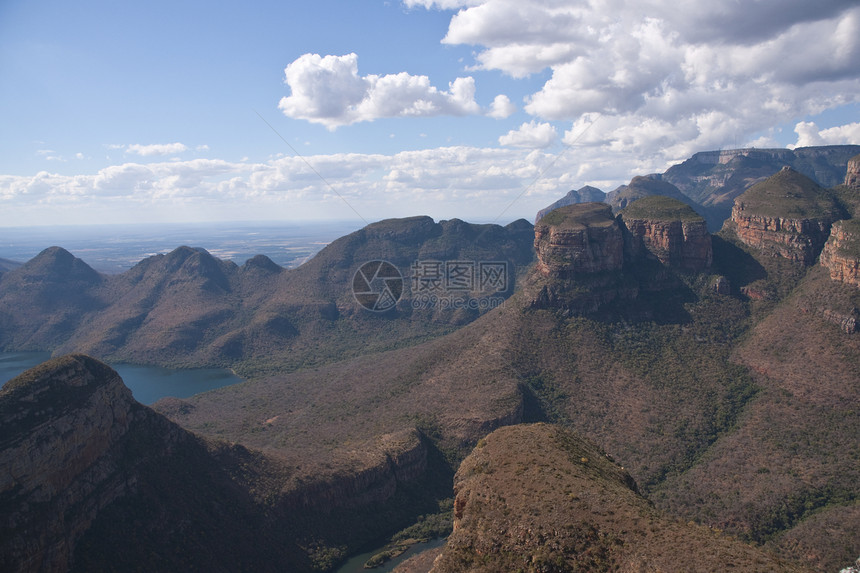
point(479, 109)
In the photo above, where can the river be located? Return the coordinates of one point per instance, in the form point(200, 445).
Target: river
point(148, 384)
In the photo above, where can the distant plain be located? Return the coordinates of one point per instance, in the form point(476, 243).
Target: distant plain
point(116, 248)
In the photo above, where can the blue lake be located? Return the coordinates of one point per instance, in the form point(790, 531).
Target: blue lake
point(148, 384)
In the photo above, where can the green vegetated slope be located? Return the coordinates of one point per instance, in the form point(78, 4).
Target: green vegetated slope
point(661, 208)
point(789, 194)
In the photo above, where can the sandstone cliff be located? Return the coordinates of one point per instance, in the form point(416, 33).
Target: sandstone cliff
point(841, 253)
point(669, 231)
point(58, 423)
point(718, 177)
point(579, 239)
point(852, 175)
point(788, 215)
point(538, 498)
point(588, 258)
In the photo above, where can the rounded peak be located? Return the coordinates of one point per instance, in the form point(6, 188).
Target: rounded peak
point(789, 194)
point(579, 216)
point(519, 225)
point(660, 208)
point(263, 263)
point(184, 252)
point(58, 253)
point(57, 262)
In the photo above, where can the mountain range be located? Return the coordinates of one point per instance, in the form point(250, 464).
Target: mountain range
point(648, 396)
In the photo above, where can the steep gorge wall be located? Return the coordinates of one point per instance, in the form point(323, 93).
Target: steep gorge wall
point(852, 175)
point(681, 244)
point(589, 246)
point(841, 253)
point(788, 216)
point(794, 239)
point(59, 425)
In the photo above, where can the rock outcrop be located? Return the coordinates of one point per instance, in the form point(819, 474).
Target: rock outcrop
point(669, 231)
point(585, 194)
point(59, 423)
point(539, 498)
point(841, 253)
point(788, 215)
point(577, 240)
point(852, 175)
point(583, 252)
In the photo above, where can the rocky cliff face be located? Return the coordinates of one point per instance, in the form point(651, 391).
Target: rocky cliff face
point(579, 239)
point(852, 175)
point(59, 422)
point(714, 177)
point(788, 215)
point(669, 231)
point(395, 459)
point(794, 239)
point(841, 253)
point(582, 252)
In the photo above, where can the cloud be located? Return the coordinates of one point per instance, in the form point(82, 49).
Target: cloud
point(466, 182)
point(501, 107)
point(156, 149)
point(670, 77)
point(808, 134)
point(328, 90)
point(530, 135)
point(441, 4)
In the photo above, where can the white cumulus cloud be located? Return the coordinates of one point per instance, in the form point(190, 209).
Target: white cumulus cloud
point(671, 77)
point(531, 135)
point(501, 107)
point(156, 149)
point(329, 90)
point(808, 134)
